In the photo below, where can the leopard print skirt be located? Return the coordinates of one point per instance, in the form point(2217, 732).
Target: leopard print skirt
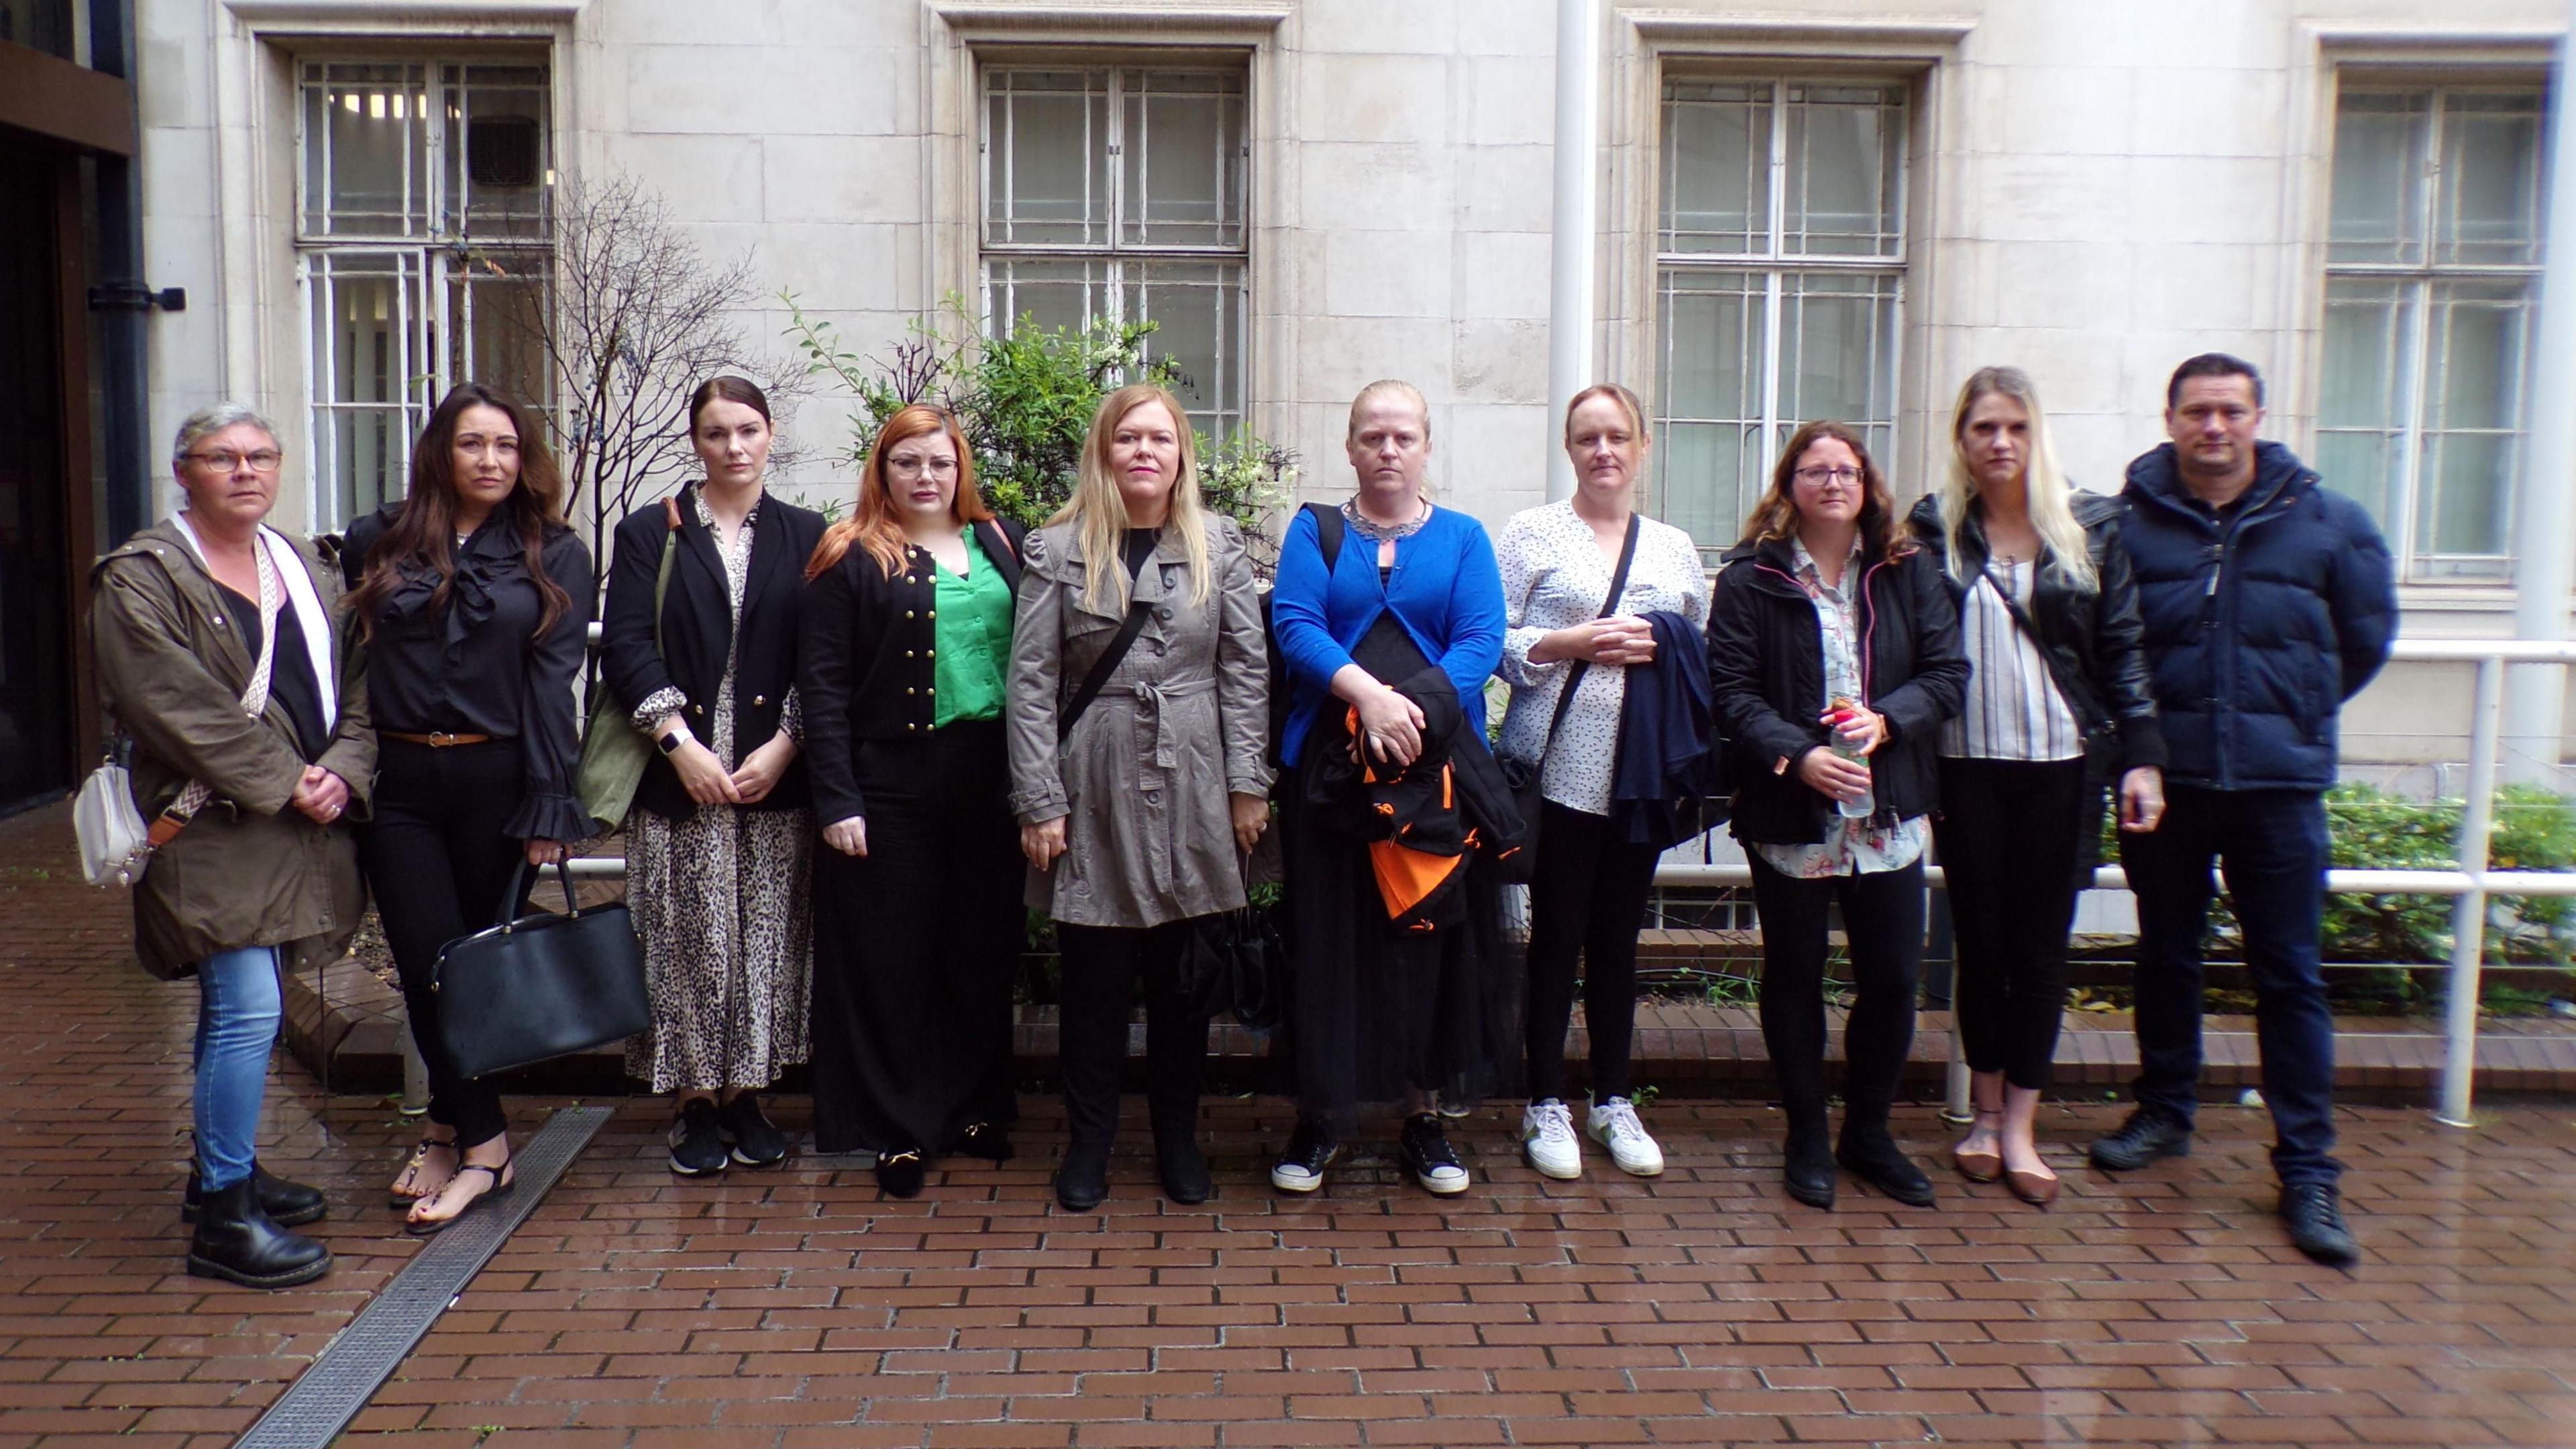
point(719, 902)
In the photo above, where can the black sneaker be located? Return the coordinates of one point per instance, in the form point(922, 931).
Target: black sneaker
point(1426, 1153)
point(2146, 1136)
point(2314, 1212)
point(698, 1140)
point(1301, 1167)
point(756, 1141)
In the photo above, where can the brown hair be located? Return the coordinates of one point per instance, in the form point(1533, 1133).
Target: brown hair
point(1882, 529)
point(875, 524)
point(726, 387)
point(423, 534)
point(1626, 400)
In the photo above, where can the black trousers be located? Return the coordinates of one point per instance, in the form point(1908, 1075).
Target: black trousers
point(438, 863)
point(1587, 901)
point(1883, 921)
point(916, 946)
point(1101, 967)
point(2010, 833)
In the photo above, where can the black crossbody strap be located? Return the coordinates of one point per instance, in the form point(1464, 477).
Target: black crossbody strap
point(1609, 606)
point(1101, 668)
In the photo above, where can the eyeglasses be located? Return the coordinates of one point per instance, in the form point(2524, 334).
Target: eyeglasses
point(915, 467)
point(1818, 477)
point(266, 460)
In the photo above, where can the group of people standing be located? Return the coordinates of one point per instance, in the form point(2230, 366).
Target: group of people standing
point(876, 740)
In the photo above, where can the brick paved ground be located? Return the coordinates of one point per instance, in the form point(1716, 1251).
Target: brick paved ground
point(796, 1308)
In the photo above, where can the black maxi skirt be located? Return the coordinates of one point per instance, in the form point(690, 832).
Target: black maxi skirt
point(1373, 1011)
point(916, 947)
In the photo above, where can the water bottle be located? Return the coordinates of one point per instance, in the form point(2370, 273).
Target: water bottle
point(1857, 807)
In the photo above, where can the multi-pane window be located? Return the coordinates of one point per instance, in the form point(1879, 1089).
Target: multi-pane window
point(1118, 192)
point(1781, 264)
point(2432, 287)
point(421, 246)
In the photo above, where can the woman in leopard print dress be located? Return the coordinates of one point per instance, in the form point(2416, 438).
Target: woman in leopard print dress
point(719, 845)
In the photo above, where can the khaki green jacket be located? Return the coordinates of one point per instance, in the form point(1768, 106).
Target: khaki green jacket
point(249, 870)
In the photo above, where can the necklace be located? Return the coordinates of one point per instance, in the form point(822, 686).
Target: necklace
point(1383, 532)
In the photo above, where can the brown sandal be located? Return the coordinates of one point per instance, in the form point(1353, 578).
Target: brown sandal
point(402, 1196)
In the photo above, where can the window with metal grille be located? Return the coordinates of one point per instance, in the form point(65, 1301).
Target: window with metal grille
point(2433, 263)
point(1118, 193)
point(1780, 269)
point(421, 250)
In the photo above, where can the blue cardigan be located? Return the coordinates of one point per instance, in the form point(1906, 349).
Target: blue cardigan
point(1446, 593)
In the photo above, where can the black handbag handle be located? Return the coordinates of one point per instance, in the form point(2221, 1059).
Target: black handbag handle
point(1609, 606)
point(508, 915)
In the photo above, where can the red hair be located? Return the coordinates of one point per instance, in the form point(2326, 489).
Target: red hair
point(875, 525)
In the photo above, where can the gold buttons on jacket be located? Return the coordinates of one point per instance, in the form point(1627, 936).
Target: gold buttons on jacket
point(908, 689)
point(929, 653)
point(907, 654)
point(907, 613)
point(758, 700)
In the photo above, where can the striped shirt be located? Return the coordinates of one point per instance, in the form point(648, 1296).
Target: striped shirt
point(2013, 710)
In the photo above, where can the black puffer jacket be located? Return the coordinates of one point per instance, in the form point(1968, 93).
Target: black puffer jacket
point(2093, 640)
point(1766, 667)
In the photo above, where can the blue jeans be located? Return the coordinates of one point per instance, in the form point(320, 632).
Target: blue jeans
point(238, 1005)
point(2271, 846)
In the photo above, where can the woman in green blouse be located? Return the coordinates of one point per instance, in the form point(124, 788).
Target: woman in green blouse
point(905, 646)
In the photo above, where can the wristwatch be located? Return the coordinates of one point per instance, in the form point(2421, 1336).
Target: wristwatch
point(670, 743)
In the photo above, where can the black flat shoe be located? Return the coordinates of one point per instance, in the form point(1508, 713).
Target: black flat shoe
point(1184, 1171)
point(1878, 1161)
point(983, 1140)
point(2314, 1213)
point(503, 1180)
point(288, 1204)
point(1082, 1182)
point(1807, 1174)
point(899, 1172)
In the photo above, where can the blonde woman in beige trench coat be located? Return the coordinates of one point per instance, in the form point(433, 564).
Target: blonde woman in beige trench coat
point(263, 876)
point(1135, 823)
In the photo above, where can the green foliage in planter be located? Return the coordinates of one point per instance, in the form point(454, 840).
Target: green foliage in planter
point(1025, 402)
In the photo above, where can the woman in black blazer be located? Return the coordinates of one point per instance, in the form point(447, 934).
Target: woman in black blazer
point(720, 843)
point(918, 924)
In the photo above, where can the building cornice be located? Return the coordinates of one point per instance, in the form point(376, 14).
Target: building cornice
point(1138, 19)
point(397, 16)
point(1797, 34)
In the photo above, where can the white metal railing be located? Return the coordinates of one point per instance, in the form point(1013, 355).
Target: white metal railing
point(2472, 886)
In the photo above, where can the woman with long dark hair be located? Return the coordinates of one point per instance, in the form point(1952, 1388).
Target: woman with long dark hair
point(475, 599)
point(2059, 706)
point(1834, 658)
point(905, 646)
point(719, 844)
point(1135, 798)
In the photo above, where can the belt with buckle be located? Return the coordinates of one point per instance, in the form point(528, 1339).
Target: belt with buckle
point(436, 739)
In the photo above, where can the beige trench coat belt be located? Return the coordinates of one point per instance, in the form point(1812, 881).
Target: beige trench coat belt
point(1151, 696)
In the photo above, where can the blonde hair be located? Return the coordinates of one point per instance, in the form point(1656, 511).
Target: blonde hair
point(1098, 511)
point(1624, 399)
point(1399, 388)
point(2049, 497)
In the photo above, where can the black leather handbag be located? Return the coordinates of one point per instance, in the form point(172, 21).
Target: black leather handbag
point(541, 986)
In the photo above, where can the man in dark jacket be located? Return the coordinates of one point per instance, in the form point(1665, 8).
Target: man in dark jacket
point(2268, 601)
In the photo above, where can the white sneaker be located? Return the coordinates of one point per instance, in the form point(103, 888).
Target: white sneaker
point(1614, 1125)
point(1548, 1140)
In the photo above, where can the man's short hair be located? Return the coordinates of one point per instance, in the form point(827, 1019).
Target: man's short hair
point(2212, 364)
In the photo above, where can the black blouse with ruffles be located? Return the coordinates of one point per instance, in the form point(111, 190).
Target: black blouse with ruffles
point(479, 666)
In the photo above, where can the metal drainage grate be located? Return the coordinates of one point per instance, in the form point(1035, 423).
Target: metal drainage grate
point(360, 1357)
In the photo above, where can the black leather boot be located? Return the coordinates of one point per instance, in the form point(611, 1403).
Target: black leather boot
point(288, 1204)
point(1082, 1182)
point(237, 1241)
point(1177, 1158)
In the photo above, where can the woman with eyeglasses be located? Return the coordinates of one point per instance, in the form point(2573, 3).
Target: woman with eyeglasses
point(2059, 705)
point(903, 655)
point(475, 599)
point(1834, 657)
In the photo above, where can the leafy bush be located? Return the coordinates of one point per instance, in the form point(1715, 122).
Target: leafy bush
point(1025, 402)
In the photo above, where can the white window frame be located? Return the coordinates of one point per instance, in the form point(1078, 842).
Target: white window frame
point(1776, 265)
point(429, 257)
point(1115, 255)
point(2416, 283)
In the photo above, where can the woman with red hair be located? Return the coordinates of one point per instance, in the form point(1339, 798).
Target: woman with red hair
point(917, 923)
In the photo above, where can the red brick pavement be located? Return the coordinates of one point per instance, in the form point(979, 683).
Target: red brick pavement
point(795, 1308)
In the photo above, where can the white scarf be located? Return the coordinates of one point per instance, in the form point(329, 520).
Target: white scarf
point(308, 608)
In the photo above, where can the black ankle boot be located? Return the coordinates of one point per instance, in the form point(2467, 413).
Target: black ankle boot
point(1183, 1168)
point(1873, 1156)
point(288, 1204)
point(1807, 1174)
point(237, 1241)
point(1082, 1183)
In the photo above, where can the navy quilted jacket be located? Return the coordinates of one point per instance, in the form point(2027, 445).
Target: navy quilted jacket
point(2260, 622)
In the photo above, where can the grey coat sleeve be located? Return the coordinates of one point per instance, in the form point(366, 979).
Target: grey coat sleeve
point(1035, 688)
point(1242, 669)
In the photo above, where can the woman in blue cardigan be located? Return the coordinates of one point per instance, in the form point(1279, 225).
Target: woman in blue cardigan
point(1388, 644)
